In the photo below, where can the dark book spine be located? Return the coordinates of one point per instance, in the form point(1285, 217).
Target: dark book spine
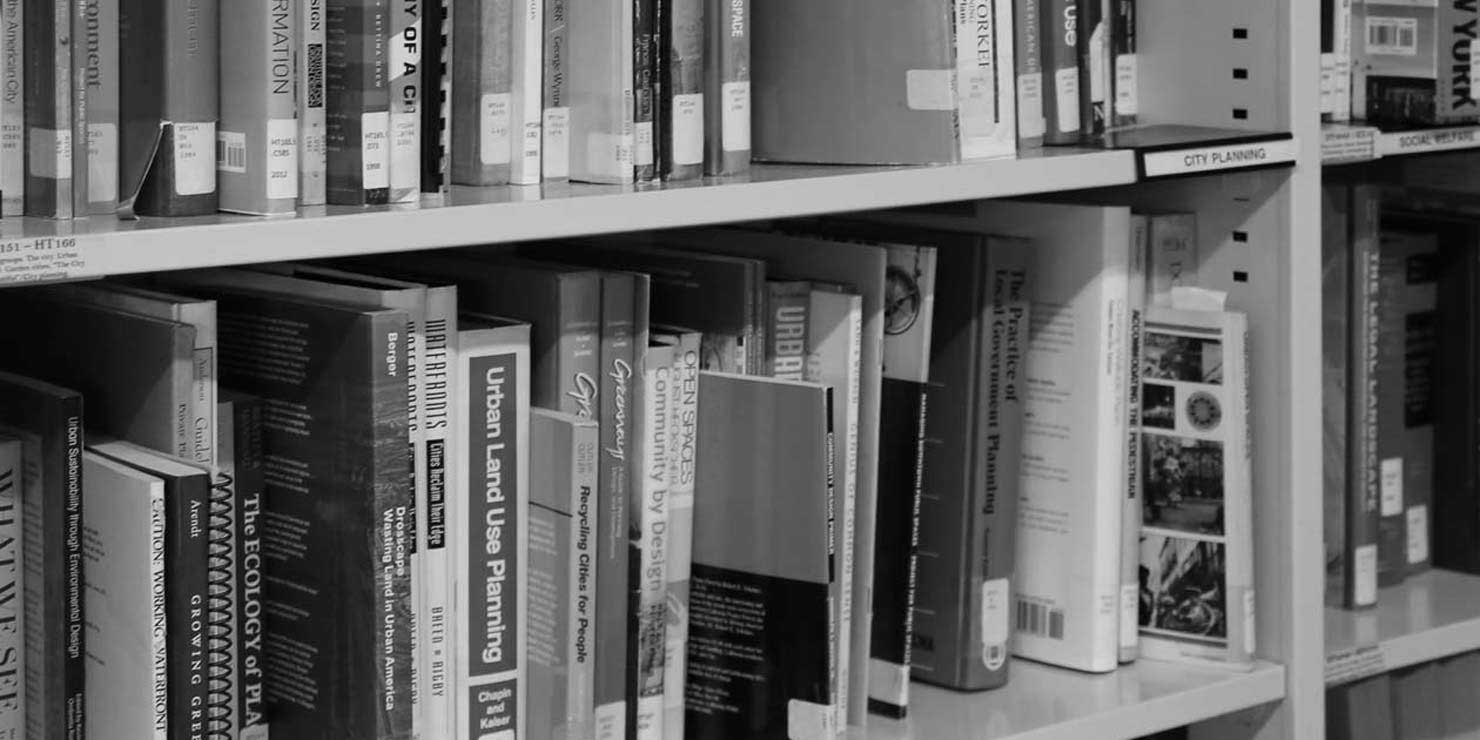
point(482, 98)
point(1028, 53)
point(902, 417)
point(727, 87)
point(555, 126)
point(436, 91)
point(1125, 73)
point(615, 618)
point(1061, 73)
point(1363, 481)
point(250, 604)
point(187, 585)
point(1457, 419)
point(48, 108)
point(645, 53)
point(1392, 526)
point(64, 655)
point(181, 178)
point(358, 97)
point(681, 112)
point(220, 607)
point(84, 31)
point(1420, 340)
point(1092, 44)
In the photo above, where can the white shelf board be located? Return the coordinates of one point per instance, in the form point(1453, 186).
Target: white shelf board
point(1041, 702)
point(1344, 144)
point(38, 249)
point(1429, 616)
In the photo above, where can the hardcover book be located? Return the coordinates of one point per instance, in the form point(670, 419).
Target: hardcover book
point(683, 429)
point(1093, 44)
point(100, 49)
point(257, 144)
point(49, 422)
point(242, 456)
point(646, 52)
point(12, 578)
point(1341, 61)
point(313, 121)
point(125, 592)
point(484, 131)
point(526, 108)
point(1130, 509)
point(436, 92)
point(650, 579)
point(1335, 338)
point(1362, 710)
point(1457, 418)
point(555, 124)
point(1411, 62)
point(602, 138)
point(357, 101)
point(763, 556)
point(167, 165)
point(405, 49)
point(1365, 559)
point(1417, 702)
point(1124, 73)
point(13, 107)
point(49, 110)
point(1028, 63)
point(682, 107)
point(1060, 31)
point(727, 109)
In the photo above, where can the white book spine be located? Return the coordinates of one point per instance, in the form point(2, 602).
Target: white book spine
point(313, 122)
point(158, 635)
point(12, 109)
point(1130, 517)
point(443, 460)
point(12, 583)
point(1341, 63)
point(421, 482)
point(652, 571)
point(683, 439)
point(528, 68)
point(406, 100)
point(985, 83)
point(1108, 468)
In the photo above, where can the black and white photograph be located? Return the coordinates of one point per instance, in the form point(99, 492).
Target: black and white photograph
point(1159, 406)
point(1182, 358)
point(1183, 484)
point(1184, 588)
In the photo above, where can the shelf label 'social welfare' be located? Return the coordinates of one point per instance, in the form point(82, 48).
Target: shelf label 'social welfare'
point(1348, 144)
point(1353, 664)
point(1437, 140)
point(1221, 157)
point(41, 259)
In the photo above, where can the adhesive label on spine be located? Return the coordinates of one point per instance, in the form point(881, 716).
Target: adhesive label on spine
point(995, 601)
point(1126, 95)
point(1030, 105)
point(807, 720)
point(375, 150)
point(1364, 575)
point(1098, 61)
point(688, 129)
point(930, 89)
point(1391, 486)
point(282, 158)
point(195, 165)
point(556, 131)
point(1391, 36)
point(1066, 93)
point(102, 162)
point(1418, 534)
point(406, 150)
point(735, 126)
point(493, 130)
point(644, 152)
point(1130, 603)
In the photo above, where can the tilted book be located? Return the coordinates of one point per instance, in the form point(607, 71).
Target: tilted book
point(48, 421)
point(601, 126)
point(683, 428)
point(100, 47)
point(125, 593)
point(170, 107)
point(490, 534)
point(257, 143)
point(357, 101)
point(311, 102)
point(242, 456)
point(764, 558)
point(483, 125)
point(727, 109)
point(13, 107)
point(405, 49)
point(12, 579)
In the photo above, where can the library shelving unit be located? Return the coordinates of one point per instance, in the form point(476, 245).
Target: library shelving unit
point(1250, 65)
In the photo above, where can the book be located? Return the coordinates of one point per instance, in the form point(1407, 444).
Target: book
point(1328, 55)
point(1341, 61)
point(1417, 701)
point(405, 50)
point(310, 101)
point(1061, 75)
point(1457, 418)
point(100, 36)
point(337, 557)
point(166, 152)
point(814, 111)
point(1335, 339)
point(76, 28)
point(257, 144)
point(12, 579)
point(1173, 257)
point(124, 531)
point(763, 547)
point(681, 112)
point(562, 573)
point(650, 582)
point(490, 534)
point(1389, 406)
point(788, 305)
point(727, 108)
point(242, 456)
point(1028, 62)
point(646, 52)
point(1362, 710)
point(1092, 42)
point(483, 125)
point(48, 419)
point(138, 370)
point(1197, 535)
point(963, 616)
point(357, 102)
point(49, 109)
point(1459, 713)
point(1124, 74)
point(555, 123)
point(526, 104)
point(13, 108)
point(602, 136)
point(1364, 557)
point(186, 491)
point(683, 428)
point(1410, 63)
point(1130, 511)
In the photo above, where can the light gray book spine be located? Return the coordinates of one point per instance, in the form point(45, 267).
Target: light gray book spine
point(683, 429)
point(406, 100)
point(434, 699)
point(12, 581)
point(101, 38)
point(13, 108)
point(527, 93)
point(601, 138)
point(1130, 517)
point(313, 167)
point(482, 99)
point(257, 144)
point(727, 87)
point(555, 154)
point(652, 573)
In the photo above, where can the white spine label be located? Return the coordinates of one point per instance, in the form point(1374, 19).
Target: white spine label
point(493, 130)
point(375, 150)
point(1364, 575)
point(195, 168)
point(1030, 105)
point(1130, 613)
point(1066, 94)
point(995, 600)
point(688, 129)
point(102, 162)
point(644, 153)
point(1418, 534)
point(1126, 95)
point(557, 143)
point(405, 151)
point(735, 126)
point(282, 158)
point(1391, 486)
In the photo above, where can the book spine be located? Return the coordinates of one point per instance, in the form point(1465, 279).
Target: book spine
point(856, 609)
point(186, 593)
point(1328, 55)
point(1130, 516)
point(984, 80)
point(902, 415)
point(12, 583)
point(1093, 46)
point(645, 52)
point(414, 302)
point(683, 430)
point(79, 31)
point(48, 109)
point(1061, 72)
point(54, 686)
point(313, 124)
point(482, 97)
point(406, 100)
point(601, 93)
point(1392, 523)
point(1028, 58)
point(526, 73)
point(13, 108)
point(434, 700)
point(102, 107)
point(555, 125)
point(181, 180)
point(681, 111)
point(257, 143)
point(247, 454)
point(1363, 508)
point(358, 96)
point(727, 87)
point(652, 581)
point(1420, 356)
point(1457, 420)
point(1125, 75)
point(614, 613)
point(222, 719)
point(436, 92)
point(1341, 63)
point(582, 583)
point(787, 309)
point(831, 719)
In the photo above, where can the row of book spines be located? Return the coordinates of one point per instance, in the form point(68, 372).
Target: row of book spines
point(1085, 81)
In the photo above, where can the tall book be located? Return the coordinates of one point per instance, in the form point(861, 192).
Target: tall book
point(1364, 506)
point(241, 467)
point(1197, 538)
point(957, 107)
point(257, 144)
point(646, 51)
point(602, 138)
point(1060, 31)
point(1093, 45)
point(48, 109)
point(310, 100)
point(13, 579)
point(727, 109)
point(681, 110)
point(191, 705)
point(1410, 63)
point(974, 440)
point(1390, 407)
point(1417, 702)
point(1125, 76)
point(650, 581)
point(1341, 61)
point(1457, 418)
point(484, 133)
point(1335, 337)
point(1362, 710)
point(1460, 714)
point(1130, 509)
point(526, 74)
point(357, 101)
point(562, 573)
point(1027, 45)
point(763, 556)
point(126, 589)
point(555, 123)
point(167, 163)
point(48, 421)
point(490, 534)
point(683, 429)
point(100, 36)
point(406, 32)
point(13, 107)
point(1328, 55)
point(338, 568)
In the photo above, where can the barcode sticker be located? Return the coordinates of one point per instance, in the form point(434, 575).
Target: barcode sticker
point(995, 600)
point(1364, 575)
point(735, 125)
point(1392, 36)
point(1030, 105)
point(375, 150)
point(493, 130)
point(102, 163)
point(1066, 93)
point(557, 143)
point(231, 152)
point(1391, 486)
point(195, 168)
point(644, 152)
point(1127, 97)
point(282, 158)
point(1040, 620)
point(688, 129)
point(1418, 534)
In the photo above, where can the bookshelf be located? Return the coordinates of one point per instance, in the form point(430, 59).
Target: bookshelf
point(1427, 617)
